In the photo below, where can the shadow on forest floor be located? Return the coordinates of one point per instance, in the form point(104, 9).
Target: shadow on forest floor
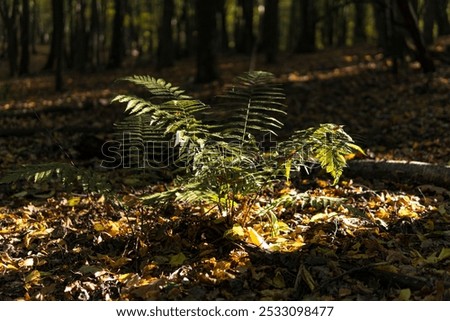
point(384, 241)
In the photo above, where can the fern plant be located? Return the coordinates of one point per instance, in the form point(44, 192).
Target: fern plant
point(221, 161)
point(66, 173)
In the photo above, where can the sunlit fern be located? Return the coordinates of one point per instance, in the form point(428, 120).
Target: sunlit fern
point(214, 154)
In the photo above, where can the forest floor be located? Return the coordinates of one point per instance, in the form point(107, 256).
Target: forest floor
point(375, 238)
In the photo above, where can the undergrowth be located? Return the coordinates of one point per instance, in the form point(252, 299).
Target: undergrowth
point(217, 156)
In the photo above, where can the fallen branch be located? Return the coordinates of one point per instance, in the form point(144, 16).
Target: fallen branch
point(400, 171)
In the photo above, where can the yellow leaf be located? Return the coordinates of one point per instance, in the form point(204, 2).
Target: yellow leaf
point(236, 232)
point(319, 217)
point(119, 262)
point(74, 201)
point(33, 276)
point(113, 228)
point(257, 239)
point(110, 227)
point(26, 262)
point(287, 172)
point(177, 259)
point(98, 227)
point(404, 295)
point(404, 212)
point(126, 277)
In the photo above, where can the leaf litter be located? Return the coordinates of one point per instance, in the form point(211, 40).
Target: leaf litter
point(359, 240)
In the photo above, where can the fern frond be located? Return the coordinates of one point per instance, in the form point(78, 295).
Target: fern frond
point(328, 145)
point(64, 172)
point(253, 105)
point(158, 88)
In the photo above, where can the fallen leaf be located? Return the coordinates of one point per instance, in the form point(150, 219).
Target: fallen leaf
point(404, 294)
point(177, 259)
point(257, 239)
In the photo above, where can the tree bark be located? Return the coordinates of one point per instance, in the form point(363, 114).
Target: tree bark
point(80, 41)
point(223, 33)
point(245, 39)
point(428, 21)
point(270, 31)
point(400, 171)
point(25, 38)
point(359, 34)
point(307, 38)
point(9, 16)
point(117, 43)
point(442, 18)
point(94, 35)
point(423, 57)
point(58, 34)
point(165, 37)
point(206, 45)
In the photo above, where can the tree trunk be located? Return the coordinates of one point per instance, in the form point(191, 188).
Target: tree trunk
point(80, 48)
point(270, 30)
point(223, 33)
point(428, 22)
point(34, 30)
point(411, 24)
point(245, 39)
point(58, 35)
point(206, 45)
point(359, 34)
point(116, 53)
point(307, 38)
point(342, 27)
point(9, 16)
point(293, 25)
point(165, 37)
point(25, 38)
point(94, 34)
point(381, 22)
point(442, 17)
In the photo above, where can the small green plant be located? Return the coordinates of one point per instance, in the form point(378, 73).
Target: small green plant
point(65, 173)
point(217, 154)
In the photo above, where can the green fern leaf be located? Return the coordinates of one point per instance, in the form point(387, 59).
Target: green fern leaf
point(253, 105)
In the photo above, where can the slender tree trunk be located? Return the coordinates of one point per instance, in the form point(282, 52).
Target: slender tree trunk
point(381, 22)
point(206, 45)
point(270, 30)
point(328, 25)
point(342, 27)
point(307, 39)
point(359, 34)
point(442, 18)
point(245, 39)
point(223, 33)
point(117, 44)
point(428, 21)
point(293, 24)
point(80, 41)
point(9, 16)
point(34, 31)
point(411, 23)
point(165, 37)
point(25, 38)
point(58, 35)
point(94, 33)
